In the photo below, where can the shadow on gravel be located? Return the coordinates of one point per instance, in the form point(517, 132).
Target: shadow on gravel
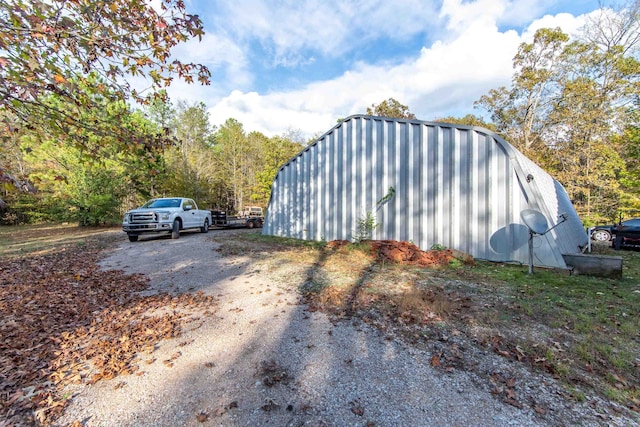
point(269, 359)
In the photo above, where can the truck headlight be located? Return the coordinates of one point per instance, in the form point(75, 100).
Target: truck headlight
point(165, 216)
point(126, 217)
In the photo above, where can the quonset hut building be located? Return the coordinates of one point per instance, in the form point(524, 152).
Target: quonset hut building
point(428, 183)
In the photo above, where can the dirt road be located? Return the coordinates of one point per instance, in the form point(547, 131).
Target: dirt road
point(262, 358)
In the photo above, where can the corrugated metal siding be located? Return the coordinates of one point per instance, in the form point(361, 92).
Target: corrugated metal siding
point(457, 186)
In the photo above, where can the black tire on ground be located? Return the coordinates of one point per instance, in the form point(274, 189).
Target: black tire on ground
point(205, 227)
point(258, 223)
point(601, 236)
point(251, 224)
point(133, 237)
point(175, 230)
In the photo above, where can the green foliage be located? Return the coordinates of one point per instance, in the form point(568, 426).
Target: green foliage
point(75, 189)
point(629, 140)
point(247, 164)
point(54, 47)
point(566, 106)
point(390, 108)
point(82, 175)
point(275, 152)
point(365, 227)
point(27, 208)
point(234, 154)
point(191, 162)
point(438, 247)
point(95, 181)
point(386, 197)
point(468, 120)
point(98, 209)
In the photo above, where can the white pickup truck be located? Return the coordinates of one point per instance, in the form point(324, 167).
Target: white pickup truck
point(165, 215)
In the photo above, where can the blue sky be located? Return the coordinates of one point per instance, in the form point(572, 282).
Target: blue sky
point(302, 64)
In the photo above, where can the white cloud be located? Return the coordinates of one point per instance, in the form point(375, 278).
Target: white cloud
point(270, 114)
point(567, 22)
point(221, 55)
point(447, 73)
point(444, 78)
point(461, 14)
point(292, 30)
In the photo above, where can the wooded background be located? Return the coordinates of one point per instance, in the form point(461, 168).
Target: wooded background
point(75, 147)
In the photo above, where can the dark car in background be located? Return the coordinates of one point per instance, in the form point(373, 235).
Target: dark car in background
point(602, 233)
point(629, 232)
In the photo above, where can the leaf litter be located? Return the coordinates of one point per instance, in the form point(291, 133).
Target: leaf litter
point(396, 317)
point(63, 320)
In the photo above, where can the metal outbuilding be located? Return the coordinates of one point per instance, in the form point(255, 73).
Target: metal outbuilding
point(428, 183)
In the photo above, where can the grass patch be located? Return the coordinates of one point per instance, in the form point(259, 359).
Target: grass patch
point(596, 320)
point(282, 242)
point(581, 329)
point(45, 238)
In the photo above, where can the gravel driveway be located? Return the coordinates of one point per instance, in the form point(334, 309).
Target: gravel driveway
point(263, 359)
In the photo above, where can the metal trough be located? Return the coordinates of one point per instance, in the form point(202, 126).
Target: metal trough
point(594, 265)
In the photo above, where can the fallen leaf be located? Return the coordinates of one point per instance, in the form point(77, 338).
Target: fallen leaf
point(435, 361)
point(271, 405)
point(358, 410)
point(540, 410)
point(513, 402)
point(503, 353)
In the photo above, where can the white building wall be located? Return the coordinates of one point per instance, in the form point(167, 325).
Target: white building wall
point(457, 186)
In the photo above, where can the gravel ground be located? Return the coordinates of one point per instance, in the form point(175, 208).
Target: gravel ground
point(264, 359)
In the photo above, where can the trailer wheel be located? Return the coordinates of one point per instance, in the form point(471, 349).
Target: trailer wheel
point(175, 230)
point(133, 237)
point(251, 224)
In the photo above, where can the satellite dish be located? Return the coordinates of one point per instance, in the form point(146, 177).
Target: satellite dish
point(537, 224)
point(534, 219)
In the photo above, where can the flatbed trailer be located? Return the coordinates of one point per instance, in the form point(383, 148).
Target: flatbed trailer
point(220, 219)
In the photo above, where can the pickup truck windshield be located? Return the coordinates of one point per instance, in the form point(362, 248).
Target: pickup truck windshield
point(163, 203)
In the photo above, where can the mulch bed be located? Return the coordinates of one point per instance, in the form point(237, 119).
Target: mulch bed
point(405, 253)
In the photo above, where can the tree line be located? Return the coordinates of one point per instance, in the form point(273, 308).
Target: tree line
point(73, 148)
point(224, 167)
point(573, 108)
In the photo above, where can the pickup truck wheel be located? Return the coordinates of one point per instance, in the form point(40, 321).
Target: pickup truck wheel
point(205, 227)
point(175, 230)
point(133, 237)
point(258, 223)
point(601, 235)
point(251, 224)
